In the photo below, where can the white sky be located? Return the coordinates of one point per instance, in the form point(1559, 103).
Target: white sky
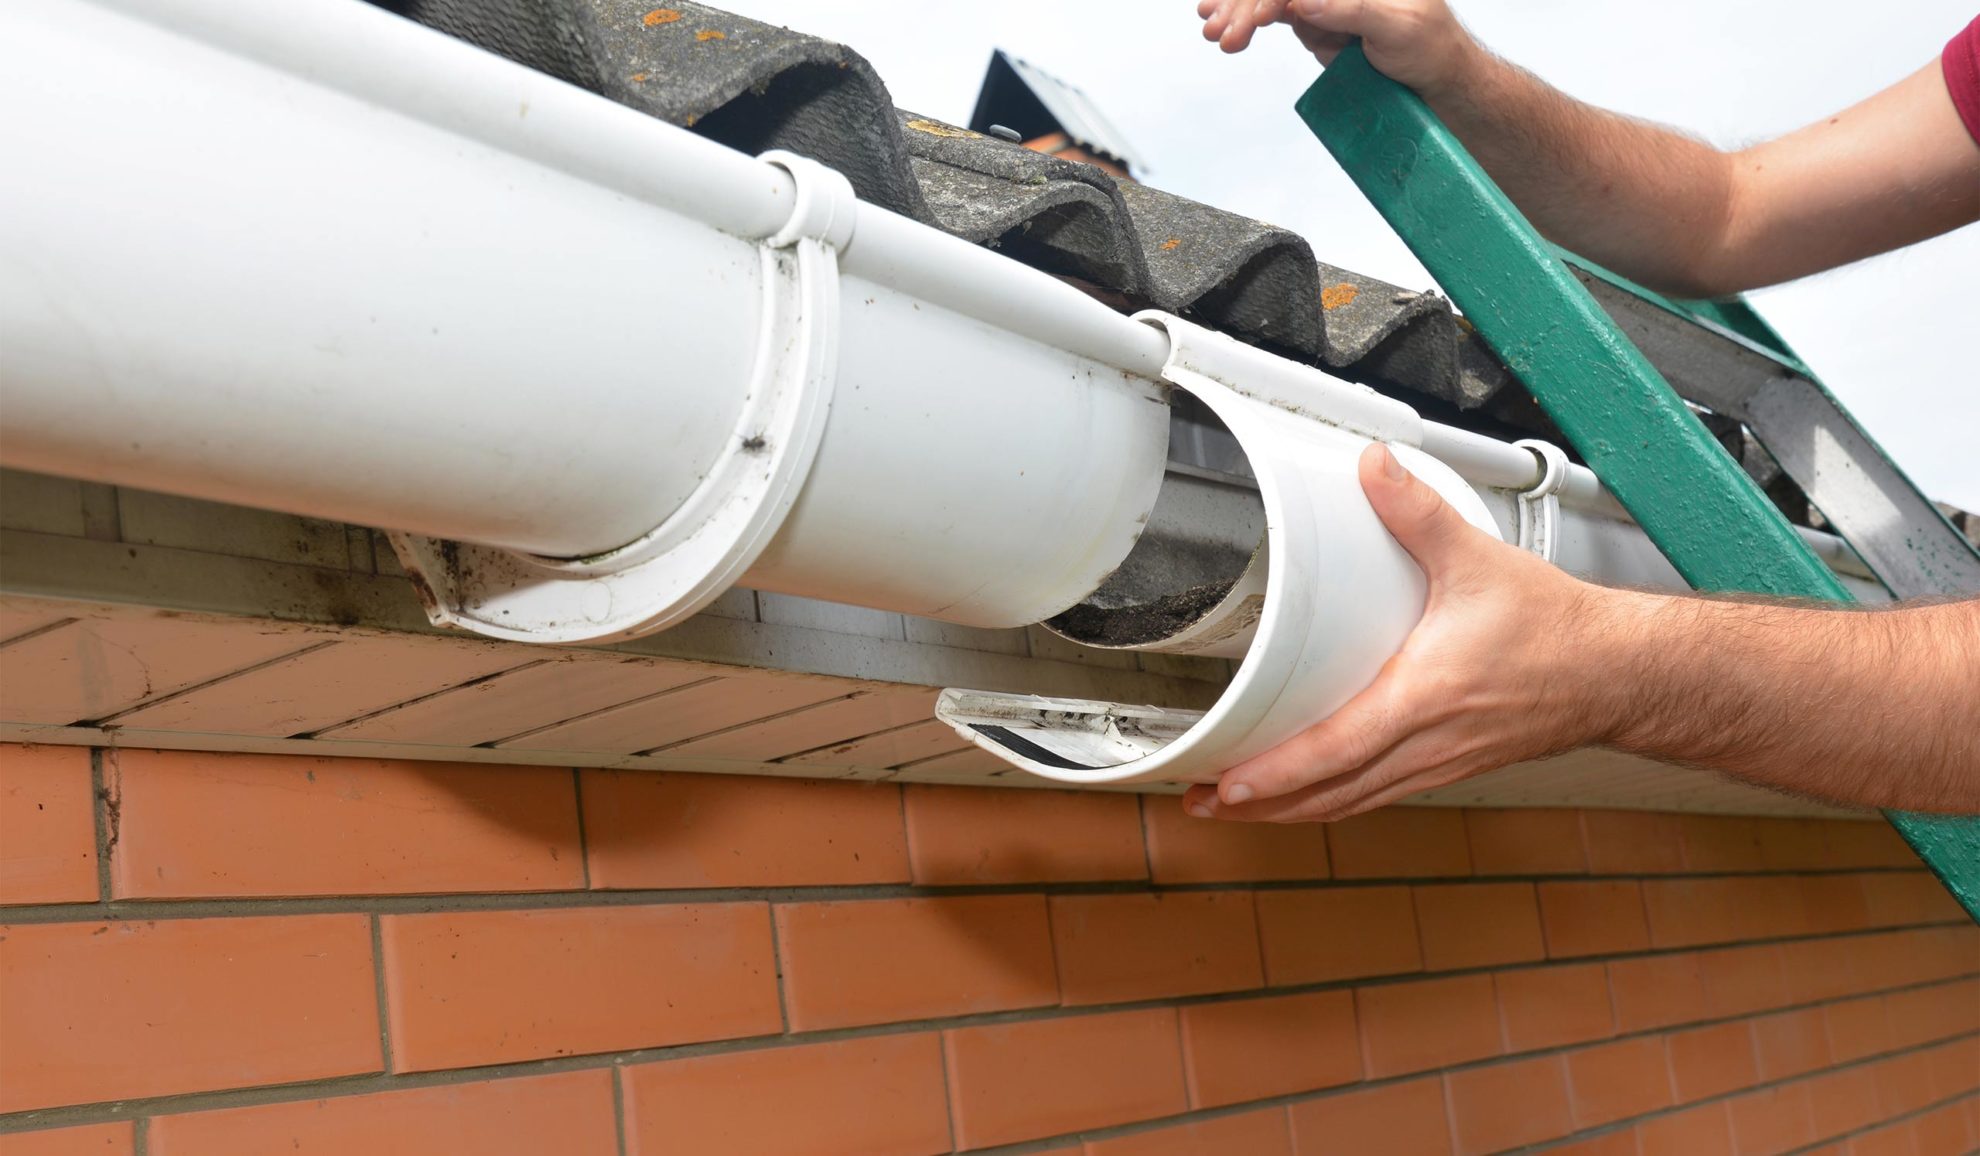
point(1894, 337)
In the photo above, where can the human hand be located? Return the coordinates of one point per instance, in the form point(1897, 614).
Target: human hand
point(1509, 662)
point(1418, 42)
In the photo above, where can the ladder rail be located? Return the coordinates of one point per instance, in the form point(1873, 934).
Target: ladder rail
point(1724, 356)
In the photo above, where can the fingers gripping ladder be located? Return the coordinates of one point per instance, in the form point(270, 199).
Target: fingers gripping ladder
point(1601, 355)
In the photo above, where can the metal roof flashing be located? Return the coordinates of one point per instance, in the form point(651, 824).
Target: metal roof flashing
point(1032, 101)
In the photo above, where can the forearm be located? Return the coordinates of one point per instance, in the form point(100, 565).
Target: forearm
point(1872, 707)
point(1643, 200)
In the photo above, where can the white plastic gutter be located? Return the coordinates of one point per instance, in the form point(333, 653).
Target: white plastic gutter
point(592, 369)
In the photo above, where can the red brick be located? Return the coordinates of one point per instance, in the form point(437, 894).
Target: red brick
point(1594, 917)
point(1948, 951)
point(88, 1140)
point(1687, 912)
point(1616, 1081)
point(1185, 849)
point(1715, 843)
point(1707, 1062)
point(196, 824)
point(1833, 903)
point(484, 987)
point(1501, 1106)
point(1813, 970)
point(1955, 1068)
point(1895, 1140)
point(1907, 897)
point(1116, 948)
point(1771, 1121)
point(1262, 1133)
point(1400, 843)
point(876, 961)
point(1618, 1143)
point(1432, 1023)
point(567, 1113)
point(1904, 1083)
point(1656, 991)
point(1691, 912)
point(1869, 962)
point(1742, 980)
point(1867, 843)
point(1478, 925)
point(1924, 1014)
point(1943, 1131)
point(1857, 1028)
point(1525, 842)
point(1393, 1120)
point(1548, 1007)
point(1237, 1050)
point(973, 835)
point(643, 829)
point(1794, 844)
point(1632, 843)
point(47, 825)
point(1791, 1043)
point(1323, 935)
point(877, 1096)
point(1701, 1131)
point(129, 1009)
point(1843, 1101)
point(1020, 1081)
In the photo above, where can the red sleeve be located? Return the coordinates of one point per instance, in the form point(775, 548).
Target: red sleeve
point(1961, 64)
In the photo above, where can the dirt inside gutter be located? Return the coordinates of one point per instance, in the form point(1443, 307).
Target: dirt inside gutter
point(1141, 624)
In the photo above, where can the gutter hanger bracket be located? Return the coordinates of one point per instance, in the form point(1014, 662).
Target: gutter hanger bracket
point(1540, 505)
point(712, 538)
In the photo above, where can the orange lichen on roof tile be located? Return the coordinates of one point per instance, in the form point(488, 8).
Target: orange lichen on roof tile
point(711, 34)
point(1335, 296)
point(637, 78)
point(660, 16)
point(1171, 243)
point(937, 128)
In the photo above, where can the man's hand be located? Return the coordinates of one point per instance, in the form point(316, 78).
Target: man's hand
point(1490, 675)
point(1514, 659)
point(1417, 42)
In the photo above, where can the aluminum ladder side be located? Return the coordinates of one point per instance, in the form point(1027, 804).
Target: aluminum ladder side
point(1577, 337)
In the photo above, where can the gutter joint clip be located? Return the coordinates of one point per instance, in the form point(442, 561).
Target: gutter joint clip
point(1540, 504)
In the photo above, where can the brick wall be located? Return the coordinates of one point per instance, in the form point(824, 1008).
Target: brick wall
point(221, 954)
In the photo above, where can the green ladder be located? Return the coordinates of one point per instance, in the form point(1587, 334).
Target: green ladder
point(1584, 341)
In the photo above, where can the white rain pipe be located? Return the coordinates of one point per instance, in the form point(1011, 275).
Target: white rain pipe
point(593, 369)
point(313, 257)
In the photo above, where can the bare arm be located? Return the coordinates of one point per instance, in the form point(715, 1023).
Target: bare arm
point(1515, 659)
point(1877, 707)
point(1650, 203)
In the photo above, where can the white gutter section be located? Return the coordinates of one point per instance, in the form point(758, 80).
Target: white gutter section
point(592, 369)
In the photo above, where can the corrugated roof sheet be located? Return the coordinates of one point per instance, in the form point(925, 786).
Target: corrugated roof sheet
point(755, 86)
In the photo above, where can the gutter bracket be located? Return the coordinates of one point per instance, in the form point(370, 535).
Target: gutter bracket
point(1540, 504)
point(708, 543)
